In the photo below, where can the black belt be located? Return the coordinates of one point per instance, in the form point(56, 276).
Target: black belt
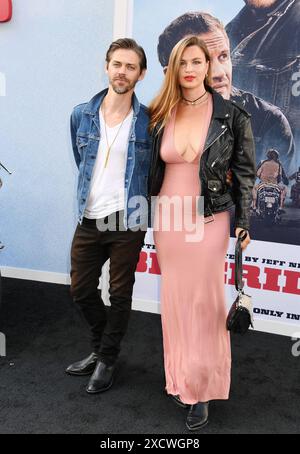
point(118, 216)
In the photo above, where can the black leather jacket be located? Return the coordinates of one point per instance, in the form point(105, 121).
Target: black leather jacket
point(265, 45)
point(270, 127)
point(229, 145)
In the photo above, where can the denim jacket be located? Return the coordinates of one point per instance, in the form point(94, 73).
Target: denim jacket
point(85, 134)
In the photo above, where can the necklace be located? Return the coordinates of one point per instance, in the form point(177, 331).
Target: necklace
point(109, 147)
point(192, 103)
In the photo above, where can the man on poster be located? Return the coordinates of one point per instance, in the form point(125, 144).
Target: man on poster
point(270, 126)
point(265, 43)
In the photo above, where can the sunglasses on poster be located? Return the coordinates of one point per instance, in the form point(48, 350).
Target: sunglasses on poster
point(5, 10)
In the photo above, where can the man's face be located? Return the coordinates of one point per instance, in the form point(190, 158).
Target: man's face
point(220, 61)
point(124, 71)
point(260, 3)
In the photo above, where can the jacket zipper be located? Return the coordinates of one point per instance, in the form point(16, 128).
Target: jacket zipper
point(220, 157)
point(208, 146)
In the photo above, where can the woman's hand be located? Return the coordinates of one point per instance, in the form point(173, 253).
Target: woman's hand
point(229, 178)
point(246, 241)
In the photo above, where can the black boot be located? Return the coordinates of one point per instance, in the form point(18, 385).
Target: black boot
point(178, 401)
point(197, 416)
point(102, 378)
point(84, 367)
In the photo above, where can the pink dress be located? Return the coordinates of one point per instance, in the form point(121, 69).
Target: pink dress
point(197, 356)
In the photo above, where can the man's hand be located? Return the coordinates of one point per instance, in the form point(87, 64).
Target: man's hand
point(246, 241)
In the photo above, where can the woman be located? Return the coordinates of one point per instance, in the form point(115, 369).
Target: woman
point(197, 138)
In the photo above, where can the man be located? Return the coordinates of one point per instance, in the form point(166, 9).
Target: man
point(270, 127)
point(295, 189)
point(271, 171)
point(265, 43)
point(112, 151)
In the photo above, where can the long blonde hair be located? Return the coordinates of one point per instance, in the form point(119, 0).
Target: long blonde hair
point(170, 93)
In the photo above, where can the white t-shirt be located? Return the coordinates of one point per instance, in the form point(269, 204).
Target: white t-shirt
point(106, 194)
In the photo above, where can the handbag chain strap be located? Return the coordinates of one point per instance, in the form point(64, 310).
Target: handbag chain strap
point(238, 272)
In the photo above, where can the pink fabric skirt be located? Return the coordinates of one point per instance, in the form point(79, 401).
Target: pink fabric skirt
point(197, 355)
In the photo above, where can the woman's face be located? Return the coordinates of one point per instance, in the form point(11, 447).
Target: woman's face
point(193, 68)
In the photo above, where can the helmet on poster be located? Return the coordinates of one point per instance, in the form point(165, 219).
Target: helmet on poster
point(273, 154)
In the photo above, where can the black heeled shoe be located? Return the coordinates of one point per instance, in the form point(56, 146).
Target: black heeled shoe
point(178, 401)
point(197, 416)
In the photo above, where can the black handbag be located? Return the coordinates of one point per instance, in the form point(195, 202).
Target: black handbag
point(240, 315)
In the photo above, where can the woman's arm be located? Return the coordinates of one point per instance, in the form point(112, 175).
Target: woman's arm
point(243, 166)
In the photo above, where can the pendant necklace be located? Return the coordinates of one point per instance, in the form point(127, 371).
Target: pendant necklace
point(109, 146)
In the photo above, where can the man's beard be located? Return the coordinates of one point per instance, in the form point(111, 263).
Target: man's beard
point(260, 3)
point(122, 90)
